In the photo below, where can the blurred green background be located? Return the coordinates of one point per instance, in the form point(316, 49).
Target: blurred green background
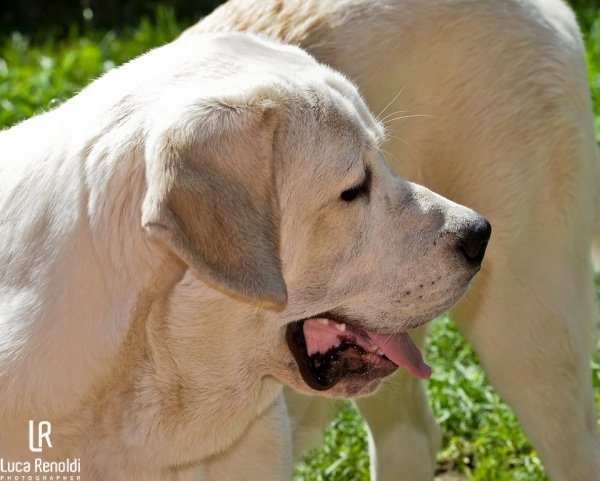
point(49, 51)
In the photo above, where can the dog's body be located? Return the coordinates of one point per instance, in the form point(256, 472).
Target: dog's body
point(506, 129)
point(268, 217)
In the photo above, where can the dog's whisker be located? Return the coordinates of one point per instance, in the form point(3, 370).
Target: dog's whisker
point(396, 113)
point(391, 102)
point(407, 117)
point(398, 138)
point(386, 152)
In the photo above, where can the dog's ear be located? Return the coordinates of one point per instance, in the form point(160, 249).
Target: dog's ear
point(212, 199)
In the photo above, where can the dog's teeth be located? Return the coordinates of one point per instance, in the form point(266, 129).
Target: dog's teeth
point(380, 352)
point(323, 321)
point(341, 326)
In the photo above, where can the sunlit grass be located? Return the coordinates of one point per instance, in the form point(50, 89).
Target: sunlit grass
point(36, 76)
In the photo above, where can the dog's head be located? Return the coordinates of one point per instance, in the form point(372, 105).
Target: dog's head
point(303, 246)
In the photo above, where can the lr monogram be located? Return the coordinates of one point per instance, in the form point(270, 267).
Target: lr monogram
point(44, 429)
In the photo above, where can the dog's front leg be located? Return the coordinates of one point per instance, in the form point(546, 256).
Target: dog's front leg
point(404, 437)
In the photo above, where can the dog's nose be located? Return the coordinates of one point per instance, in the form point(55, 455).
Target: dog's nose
point(473, 241)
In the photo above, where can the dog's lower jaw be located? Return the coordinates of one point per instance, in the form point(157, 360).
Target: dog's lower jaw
point(348, 387)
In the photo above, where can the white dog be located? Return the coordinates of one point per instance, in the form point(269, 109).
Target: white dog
point(190, 231)
point(506, 129)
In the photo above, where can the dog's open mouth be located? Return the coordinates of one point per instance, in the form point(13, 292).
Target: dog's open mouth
point(328, 350)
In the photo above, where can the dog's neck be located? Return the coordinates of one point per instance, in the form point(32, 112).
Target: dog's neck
point(189, 378)
point(203, 368)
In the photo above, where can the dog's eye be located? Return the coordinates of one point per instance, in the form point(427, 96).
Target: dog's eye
point(358, 190)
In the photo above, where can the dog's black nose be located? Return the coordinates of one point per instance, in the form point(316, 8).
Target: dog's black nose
point(473, 241)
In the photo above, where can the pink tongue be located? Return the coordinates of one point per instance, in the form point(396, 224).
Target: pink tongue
point(402, 351)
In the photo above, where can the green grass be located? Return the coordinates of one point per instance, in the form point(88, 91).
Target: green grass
point(344, 453)
point(481, 436)
point(593, 62)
